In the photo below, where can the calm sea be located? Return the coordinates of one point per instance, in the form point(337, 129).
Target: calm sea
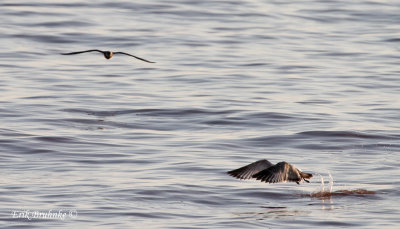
point(93, 143)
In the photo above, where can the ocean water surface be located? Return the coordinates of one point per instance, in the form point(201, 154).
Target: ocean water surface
point(93, 143)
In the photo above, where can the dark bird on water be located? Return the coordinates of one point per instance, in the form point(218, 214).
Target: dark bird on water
point(265, 171)
point(107, 54)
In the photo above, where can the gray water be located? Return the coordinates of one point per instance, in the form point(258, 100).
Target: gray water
point(122, 143)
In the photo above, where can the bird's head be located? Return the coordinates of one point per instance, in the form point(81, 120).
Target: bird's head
point(108, 54)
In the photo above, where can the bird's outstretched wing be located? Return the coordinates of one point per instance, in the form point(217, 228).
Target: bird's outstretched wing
point(281, 172)
point(73, 53)
point(247, 172)
point(134, 57)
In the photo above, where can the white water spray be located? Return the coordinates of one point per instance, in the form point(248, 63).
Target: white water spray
point(330, 182)
point(322, 182)
point(330, 187)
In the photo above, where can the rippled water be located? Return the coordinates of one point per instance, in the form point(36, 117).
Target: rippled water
point(123, 143)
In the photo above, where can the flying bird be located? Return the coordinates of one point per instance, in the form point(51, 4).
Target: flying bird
point(107, 54)
point(265, 171)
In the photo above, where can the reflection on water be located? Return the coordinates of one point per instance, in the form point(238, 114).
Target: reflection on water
point(273, 212)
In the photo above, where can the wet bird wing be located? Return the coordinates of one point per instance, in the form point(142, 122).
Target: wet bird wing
point(134, 57)
point(247, 172)
point(280, 172)
point(91, 50)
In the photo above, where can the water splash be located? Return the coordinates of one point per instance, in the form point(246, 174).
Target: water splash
point(330, 182)
point(323, 189)
point(322, 182)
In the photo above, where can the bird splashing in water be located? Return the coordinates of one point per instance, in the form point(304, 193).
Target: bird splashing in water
point(107, 54)
point(265, 171)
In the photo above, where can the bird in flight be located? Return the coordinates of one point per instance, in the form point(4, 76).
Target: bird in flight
point(265, 171)
point(107, 54)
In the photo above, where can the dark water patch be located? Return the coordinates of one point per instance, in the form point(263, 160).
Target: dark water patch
point(396, 40)
point(344, 54)
point(325, 146)
point(320, 19)
point(42, 4)
point(87, 121)
point(18, 147)
point(271, 207)
point(386, 145)
point(238, 220)
point(385, 110)
point(55, 139)
point(100, 113)
point(321, 140)
point(57, 24)
point(136, 6)
point(101, 124)
point(266, 193)
point(42, 151)
point(102, 160)
point(332, 223)
point(186, 196)
point(13, 133)
point(48, 197)
point(255, 64)
point(210, 201)
point(293, 67)
point(149, 215)
point(26, 223)
point(181, 112)
point(185, 167)
point(372, 148)
point(347, 135)
point(189, 13)
point(40, 97)
point(28, 13)
point(109, 155)
point(7, 66)
point(18, 56)
point(44, 38)
point(107, 216)
point(225, 122)
point(71, 141)
point(316, 101)
point(154, 194)
point(274, 140)
point(154, 112)
point(274, 117)
point(194, 44)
